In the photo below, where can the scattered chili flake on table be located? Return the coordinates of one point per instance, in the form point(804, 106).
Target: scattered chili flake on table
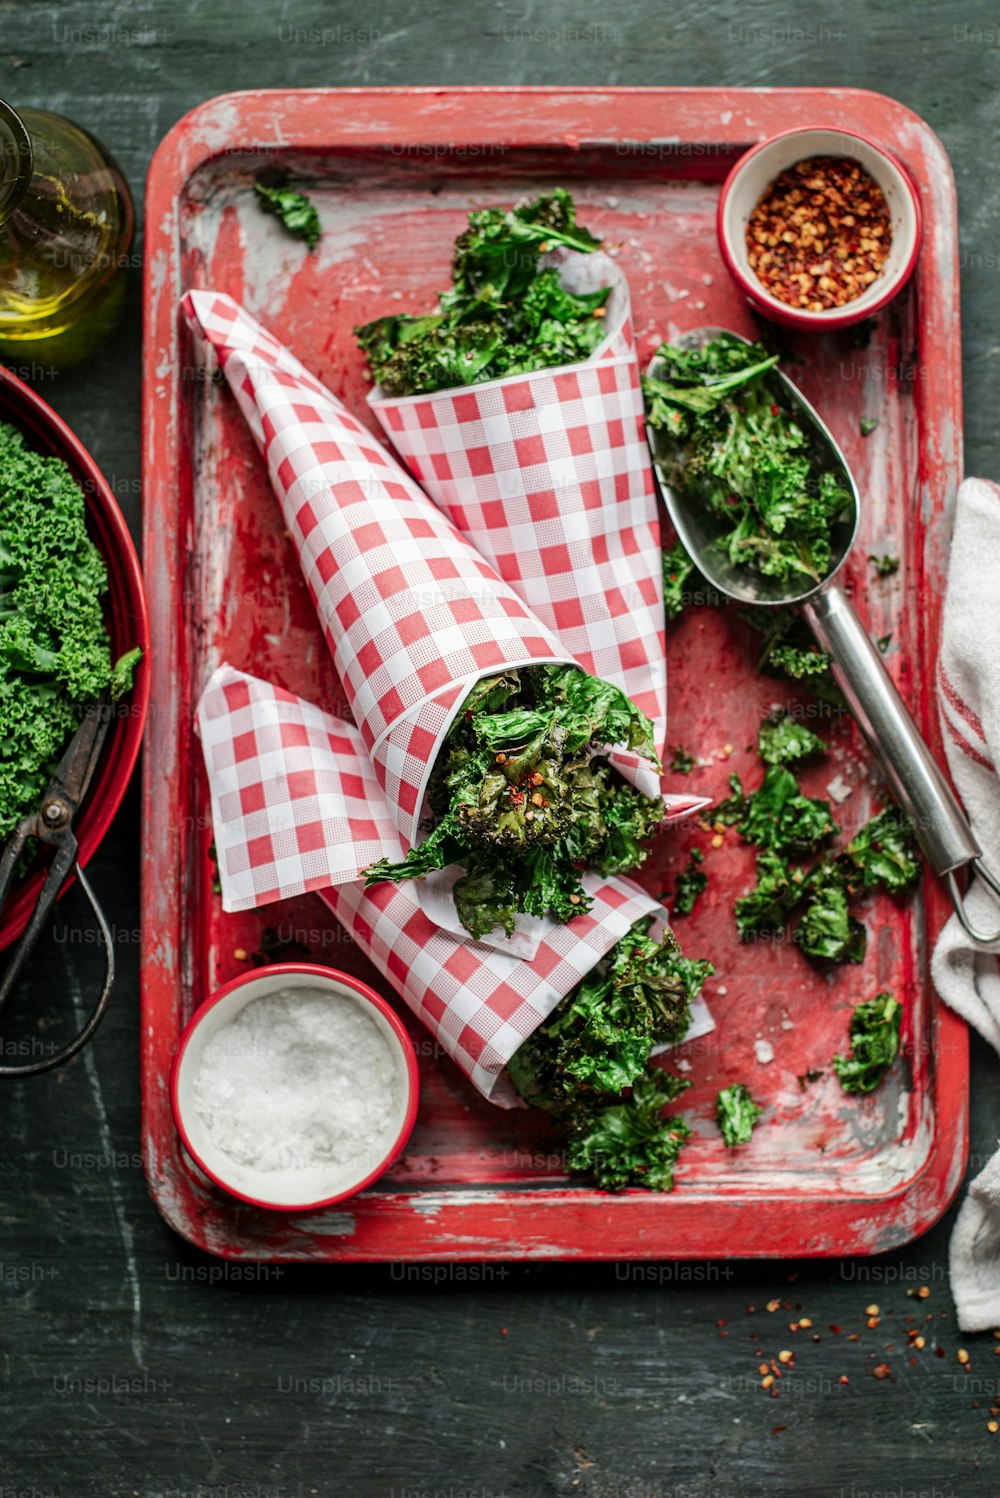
point(820, 235)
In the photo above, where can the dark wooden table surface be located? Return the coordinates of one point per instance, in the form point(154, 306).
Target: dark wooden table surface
point(131, 1365)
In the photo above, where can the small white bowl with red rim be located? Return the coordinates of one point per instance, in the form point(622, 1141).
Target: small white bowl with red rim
point(317, 1185)
point(754, 173)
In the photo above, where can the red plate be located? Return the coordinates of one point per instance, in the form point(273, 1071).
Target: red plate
point(393, 173)
point(127, 622)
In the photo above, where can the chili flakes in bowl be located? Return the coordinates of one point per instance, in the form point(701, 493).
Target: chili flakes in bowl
point(820, 234)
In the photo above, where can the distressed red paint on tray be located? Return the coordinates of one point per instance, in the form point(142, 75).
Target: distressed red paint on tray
point(393, 173)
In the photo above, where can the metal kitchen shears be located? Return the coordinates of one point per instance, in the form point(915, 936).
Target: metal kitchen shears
point(52, 824)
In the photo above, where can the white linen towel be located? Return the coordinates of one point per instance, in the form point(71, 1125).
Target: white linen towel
point(965, 976)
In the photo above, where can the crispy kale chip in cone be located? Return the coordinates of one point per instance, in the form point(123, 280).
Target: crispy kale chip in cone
point(589, 1063)
point(505, 313)
point(523, 797)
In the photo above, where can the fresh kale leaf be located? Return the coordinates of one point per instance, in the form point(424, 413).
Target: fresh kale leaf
point(54, 649)
point(875, 1027)
point(884, 565)
point(737, 1113)
point(691, 884)
point(737, 445)
point(505, 312)
point(783, 739)
point(523, 797)
point(294, 209)
point(629, 1142)
point(867, 425)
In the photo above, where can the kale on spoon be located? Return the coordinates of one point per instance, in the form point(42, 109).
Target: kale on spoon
point(748, 457)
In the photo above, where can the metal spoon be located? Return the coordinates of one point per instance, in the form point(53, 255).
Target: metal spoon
point(858, 669)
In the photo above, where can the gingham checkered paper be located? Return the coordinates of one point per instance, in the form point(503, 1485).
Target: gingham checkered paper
point(411, 612)
point(480, 1004)
point(285, 774)
point(548, 475)
point(295, 802)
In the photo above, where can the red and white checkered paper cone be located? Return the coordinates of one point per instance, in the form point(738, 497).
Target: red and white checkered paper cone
point(411, 612)
point(287, 776)
point(296, 804)
point(548, 474)
point(478, 1003)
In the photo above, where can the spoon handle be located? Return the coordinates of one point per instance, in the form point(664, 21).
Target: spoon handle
point(905, 760)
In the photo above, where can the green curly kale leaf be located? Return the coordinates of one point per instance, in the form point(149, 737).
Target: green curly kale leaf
point(777, 815)
point(597, 1044)
point(783, 739)
point(296, 212)
point(736, 1113)
point(828, 932)
point(789, 652)
point(736, 443)
point(883, 853)
point(629, 1142)
point(875, 1027)
point(677, 568)
point(768, 905)
point(54, 651)
point(524, 797)
point(505, 313)
point(691, 884)
point(600, 1037)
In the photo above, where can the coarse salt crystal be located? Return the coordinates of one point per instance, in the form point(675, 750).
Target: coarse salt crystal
point(764, 1051)
point(299, 1079)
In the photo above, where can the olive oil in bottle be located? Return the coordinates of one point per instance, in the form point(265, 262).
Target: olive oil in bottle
point(66, 226)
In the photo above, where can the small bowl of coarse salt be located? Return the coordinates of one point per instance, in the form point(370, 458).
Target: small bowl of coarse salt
point(294, 1087)
point(819, 227)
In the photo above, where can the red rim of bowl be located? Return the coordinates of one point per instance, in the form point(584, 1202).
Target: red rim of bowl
point(127, 620)
point(299, 970)
point(843, 317)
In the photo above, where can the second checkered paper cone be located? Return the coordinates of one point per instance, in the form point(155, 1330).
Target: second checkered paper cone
point(411, 612)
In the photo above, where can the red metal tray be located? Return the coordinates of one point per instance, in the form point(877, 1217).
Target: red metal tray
point(394, 173)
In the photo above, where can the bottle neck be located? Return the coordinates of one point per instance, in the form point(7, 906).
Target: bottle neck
point(15, 161)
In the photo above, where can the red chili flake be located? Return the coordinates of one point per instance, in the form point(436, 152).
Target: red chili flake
point(774, 410)
point(844, 1378)
point(939, 1352)
point(835, 1330)
point(777, 1429)
point(820, 234)
point(882, 1370)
